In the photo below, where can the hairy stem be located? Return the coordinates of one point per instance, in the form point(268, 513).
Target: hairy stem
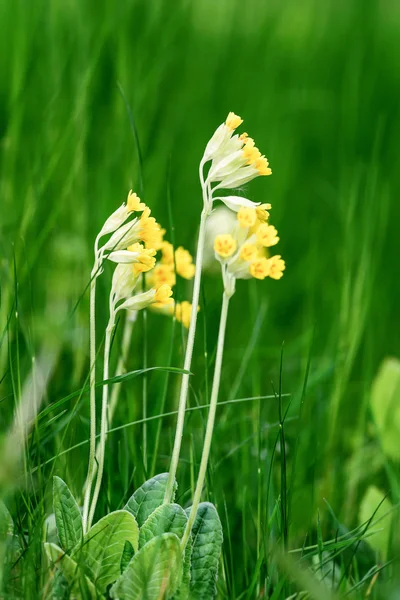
point(103, 423)
point(190, 344)
point(210, 420)
point(92, 384)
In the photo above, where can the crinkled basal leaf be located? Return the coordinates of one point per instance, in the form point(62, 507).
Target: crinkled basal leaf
point(207, 543)
point(6, 522)
point(385, 405)
point(68, 516)
point(80, 584)
point(167, 518)
point(101, 550)
point(154, 573)
point(184, 588)
point(148, 497)
point(127, 556)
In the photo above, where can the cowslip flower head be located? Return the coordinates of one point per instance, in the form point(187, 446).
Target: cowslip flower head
point(181, 260)
point(235, 159)
point(276, 266)
point(133, 202)
point(119, 216)
point(145, 258)
point(123, 282)
point(225, 245)
point(247, 217)
point(221, 136)
point(161, 295)
point(150, 232)
point(243, 252)
point(183, 312)
point(184, 263)
point(162, 274)
point(267, 235)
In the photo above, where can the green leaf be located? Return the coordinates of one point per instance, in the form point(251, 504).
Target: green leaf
point(385, 406)
point(68, 516)
point(147, 498)
point(71, 571)
point(184, 588)
point(154, 573)
point(167, 518)
point(369, 504)
point(207, 543)
point(127, 555)
point(101, 550)
point(6, 522)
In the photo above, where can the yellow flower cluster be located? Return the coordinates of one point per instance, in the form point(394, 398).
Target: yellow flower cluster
point(235, 158)
point(243, 253)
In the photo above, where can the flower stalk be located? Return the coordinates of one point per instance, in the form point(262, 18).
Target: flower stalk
point(210, 420)
point(103, 422)
point(92, 385)
point(188, 356)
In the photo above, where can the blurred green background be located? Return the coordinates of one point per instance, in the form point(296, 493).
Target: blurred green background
point(317, 84)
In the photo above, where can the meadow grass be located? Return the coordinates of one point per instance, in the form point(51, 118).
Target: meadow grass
point(96, 98)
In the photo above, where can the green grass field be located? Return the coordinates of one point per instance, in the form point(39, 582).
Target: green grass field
point(100, 97)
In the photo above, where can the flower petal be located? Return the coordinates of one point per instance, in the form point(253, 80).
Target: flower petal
point(236, 202)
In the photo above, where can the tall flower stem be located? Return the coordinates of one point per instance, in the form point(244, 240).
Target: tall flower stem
point(210, 420)
point(190, 343)
point(103, 423)
point(120, 370)
point(92, 385)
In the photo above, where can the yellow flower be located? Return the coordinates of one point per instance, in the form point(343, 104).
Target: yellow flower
point(276, 266)
point(262, 212)
point(267, 235)
point(261, 164)
point(167, 251)
point(133, 202)
point(184, 263)
point(225, 245)
point(260, 268)
point(163, 294)
point(233, 121)
point(150, 231)
point(250, 152)
point(183, 313)
point(163, 274)
point(146, 258)
point(247, 216)
point(248, 252)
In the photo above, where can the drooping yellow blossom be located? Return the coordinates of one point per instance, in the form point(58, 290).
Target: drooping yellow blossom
point(167, 251)
point(276, 266)
point(262, 212)
point(146, 258)
point(163, 294)
point(267, 235)
point(150, 231)
point(162, 274)
point(250, 152)
point(184, 263)
point(225, 245)
point(233, 121)
point(246, 216)
point(183, 312)
point(133, 202)
point(260, 268)
point(262, 166)
point(248, 252)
